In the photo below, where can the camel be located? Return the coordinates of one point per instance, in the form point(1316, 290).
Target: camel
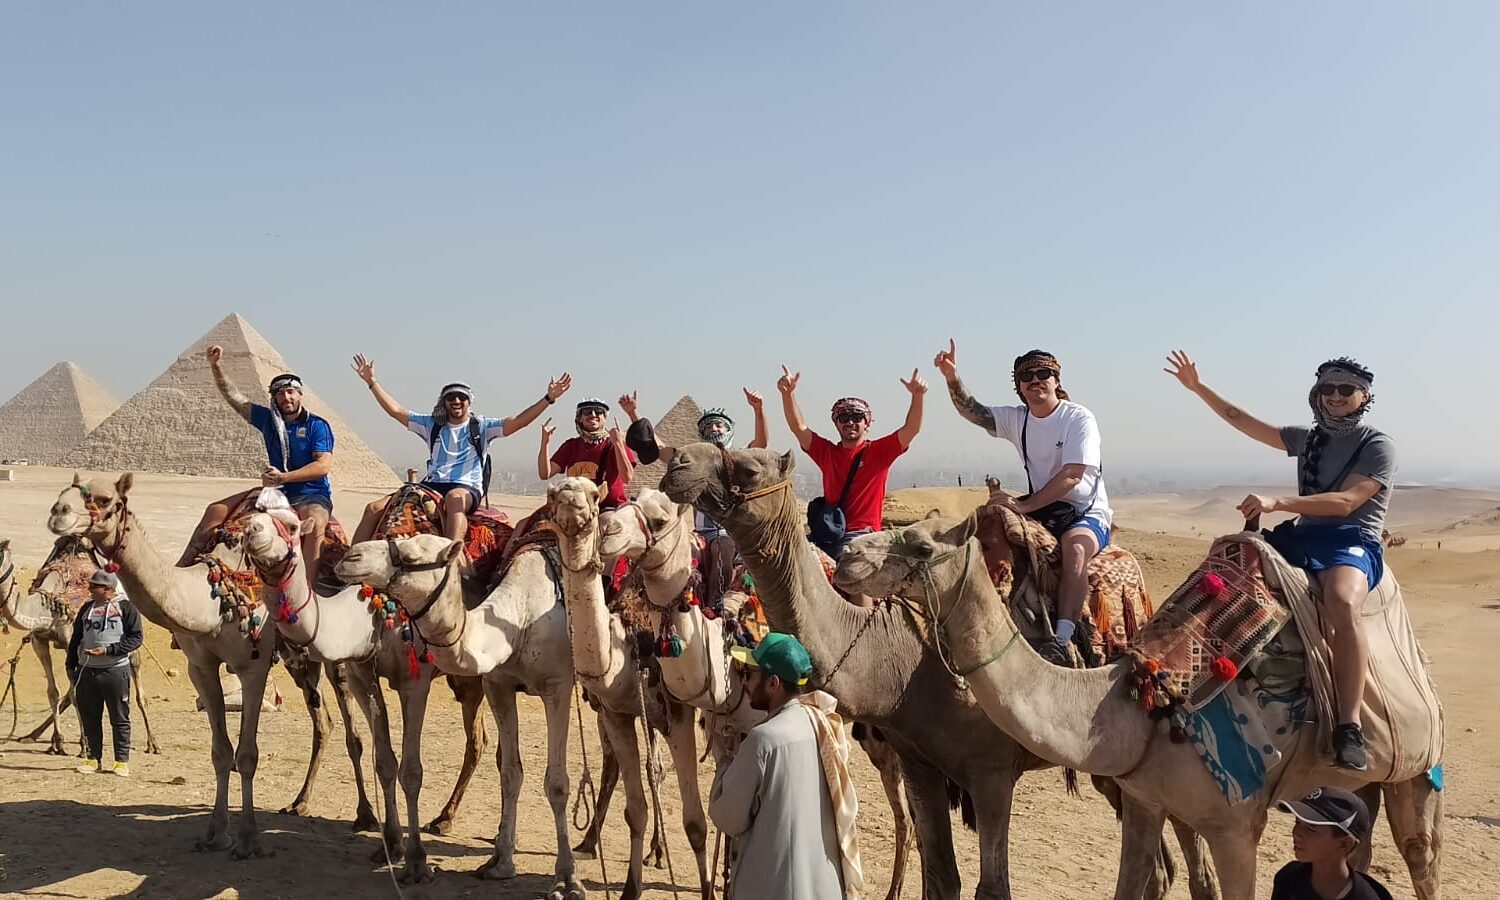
point(610, 672)
point(516, 639)
point(1087, 720)
point(657, 536)
point(339, 629)
point(878, 666)
point(48, 623)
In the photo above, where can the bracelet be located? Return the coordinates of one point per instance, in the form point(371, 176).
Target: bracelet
point(549, 399)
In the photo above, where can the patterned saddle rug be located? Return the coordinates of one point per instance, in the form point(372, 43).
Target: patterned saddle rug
point(415, 509)
point(1118, 604)
point(63, 580)
point(335, 544)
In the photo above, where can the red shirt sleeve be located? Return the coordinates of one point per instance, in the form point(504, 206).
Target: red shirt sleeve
point(884, 451)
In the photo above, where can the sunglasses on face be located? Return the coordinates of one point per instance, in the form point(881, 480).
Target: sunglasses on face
point(1343, 390)
point(849, 418)
point(459, 397)
point(1035, 375)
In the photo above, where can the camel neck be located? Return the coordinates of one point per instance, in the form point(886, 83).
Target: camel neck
point(1083, 719)
point(333, 628)
point(155, 586)
point(588, 616)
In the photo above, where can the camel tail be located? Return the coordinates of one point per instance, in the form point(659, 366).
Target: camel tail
point(960, 799)
point(1070, 781)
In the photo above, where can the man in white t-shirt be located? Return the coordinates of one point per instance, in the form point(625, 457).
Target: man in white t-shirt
point(456, 452)
point(1059, 445)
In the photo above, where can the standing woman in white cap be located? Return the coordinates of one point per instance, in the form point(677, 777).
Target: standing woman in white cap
point(457, 442)
point(106, 631)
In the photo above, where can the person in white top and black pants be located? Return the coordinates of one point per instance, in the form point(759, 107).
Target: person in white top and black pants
point(1060, 449)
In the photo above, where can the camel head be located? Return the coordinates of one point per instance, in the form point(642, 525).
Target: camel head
point(696, 476)
point(410, 570)
point(69, 515)
point(900, 561)
point(575, 513)
point(270, 538)
point(645, 530)
point(95, 509)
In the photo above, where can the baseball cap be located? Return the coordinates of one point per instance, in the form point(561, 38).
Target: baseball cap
point(777, 654)
point(1332, 806)
point(101, 578)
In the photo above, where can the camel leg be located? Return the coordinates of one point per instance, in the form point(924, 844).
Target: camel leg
point(621, 730)
point(1141, 871)
point(1415, 811)
point(1202, 883)
point(364, 686)
point(1371, 793)
point(305, 677)
point(413, 711)
point(43, 651)
point(927, 792)
point(883, 757)
point(609, 777)
point(247, 756)
point(1233, 850)
point(470, 694)
point(558, 703)
point(140, 701)
point(682, 741)
point(211, 693)
point(501, 864)
point(364, 811)
point(992, 818)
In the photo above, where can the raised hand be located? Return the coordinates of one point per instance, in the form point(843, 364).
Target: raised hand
point(1183, 369)
point(214, 354)
point(917, 385)
point(548, 429)
point(947, 361)
point(558, 386)
point(615, 434)
point(787, 383)
point(364, 368)
point(628, 405)
point(1255, 504)
point(754, 398)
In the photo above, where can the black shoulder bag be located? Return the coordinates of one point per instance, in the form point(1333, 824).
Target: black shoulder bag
point(825, 521)
point(1057, 517)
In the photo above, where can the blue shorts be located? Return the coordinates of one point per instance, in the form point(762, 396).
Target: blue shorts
point(1320, 547)
point(1096, 527)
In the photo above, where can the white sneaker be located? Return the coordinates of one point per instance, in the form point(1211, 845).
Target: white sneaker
point(122, 769)
point(90, 767)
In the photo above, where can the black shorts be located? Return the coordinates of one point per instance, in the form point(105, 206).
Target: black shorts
point(443, 487)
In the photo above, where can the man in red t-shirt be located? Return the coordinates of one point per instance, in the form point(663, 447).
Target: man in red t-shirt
point(597, 454)
point(865, 499)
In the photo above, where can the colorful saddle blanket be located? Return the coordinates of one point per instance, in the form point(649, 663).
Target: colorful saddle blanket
point(1118, 603)
point(415, 509)
point(63, 580)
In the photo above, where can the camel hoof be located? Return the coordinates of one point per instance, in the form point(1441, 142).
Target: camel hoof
point(248, 848)
point(387, 853)
point(495, 870)
point(440, 826)
point(365, 821)
point(417, 872)
point(57, 750)
point(212, 844)
point(152, 748)
point(300, 808)
point(568, 890)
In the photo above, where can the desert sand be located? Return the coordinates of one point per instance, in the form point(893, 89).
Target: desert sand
point(69, 835)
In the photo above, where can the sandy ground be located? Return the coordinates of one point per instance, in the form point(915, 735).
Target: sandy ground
point(69, 835)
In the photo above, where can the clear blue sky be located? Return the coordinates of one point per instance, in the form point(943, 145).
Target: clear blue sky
point(679, 197)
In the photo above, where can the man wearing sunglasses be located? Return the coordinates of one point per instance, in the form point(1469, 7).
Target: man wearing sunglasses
point(457, 442)
point(1345, 471)
point(862, 496)
point(1060, 450)
point(597, 453)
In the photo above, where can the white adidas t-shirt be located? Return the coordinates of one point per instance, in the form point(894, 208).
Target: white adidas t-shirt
point(1069, 436)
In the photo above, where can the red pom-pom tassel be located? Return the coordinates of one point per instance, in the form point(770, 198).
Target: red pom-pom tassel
point(411, 659)
point(1224, 668)
point(112, 567)
point(1213, 584)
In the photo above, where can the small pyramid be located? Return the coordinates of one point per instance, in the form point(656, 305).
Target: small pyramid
point(53, 414)
point(677, 428)
point(180, 424)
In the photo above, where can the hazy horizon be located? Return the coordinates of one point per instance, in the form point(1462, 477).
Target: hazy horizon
point(678, 200)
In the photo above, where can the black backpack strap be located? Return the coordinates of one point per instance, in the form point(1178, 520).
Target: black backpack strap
point(849, 482)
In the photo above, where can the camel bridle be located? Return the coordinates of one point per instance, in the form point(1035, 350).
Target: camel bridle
point(402, 568)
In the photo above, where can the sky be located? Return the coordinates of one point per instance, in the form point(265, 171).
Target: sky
point(679, 198)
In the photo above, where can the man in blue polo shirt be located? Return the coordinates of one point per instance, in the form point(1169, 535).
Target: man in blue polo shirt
point(299, 454)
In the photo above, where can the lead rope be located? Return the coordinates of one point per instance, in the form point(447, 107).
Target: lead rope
point(587, 798)
point(12, 693)
point(640, 687)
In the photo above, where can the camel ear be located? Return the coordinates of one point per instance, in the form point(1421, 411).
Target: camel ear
point(455, 548)
point(122, 487)
point(77, 480)
point(934, 513)
point(4, 543)
point(788, 463)
point(964, 530)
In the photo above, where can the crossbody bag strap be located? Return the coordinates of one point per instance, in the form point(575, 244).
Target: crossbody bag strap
point(849, 481)
point(1338, 480)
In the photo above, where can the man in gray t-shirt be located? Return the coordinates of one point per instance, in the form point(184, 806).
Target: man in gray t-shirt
point(1345, 472)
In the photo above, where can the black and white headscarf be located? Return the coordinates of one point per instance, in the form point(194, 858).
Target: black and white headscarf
point(1336, 371)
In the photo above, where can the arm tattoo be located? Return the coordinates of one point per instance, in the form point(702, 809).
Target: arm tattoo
point(972, 410)
point(1232, 413)
point(231, 393)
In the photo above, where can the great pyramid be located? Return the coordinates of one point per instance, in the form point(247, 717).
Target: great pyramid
point(53, 414)
point(678, 428)
point(180, 424)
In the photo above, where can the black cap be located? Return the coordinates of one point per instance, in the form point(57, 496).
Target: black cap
point(1332, 806)
point(641, 438)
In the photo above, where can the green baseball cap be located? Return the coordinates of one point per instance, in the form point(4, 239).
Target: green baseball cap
point(778, 654)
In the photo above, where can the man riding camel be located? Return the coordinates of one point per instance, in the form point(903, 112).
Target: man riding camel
point(299, 450)
point(597, 453)
point(1060, 450)
point(1345, 472)
point(457, 441)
